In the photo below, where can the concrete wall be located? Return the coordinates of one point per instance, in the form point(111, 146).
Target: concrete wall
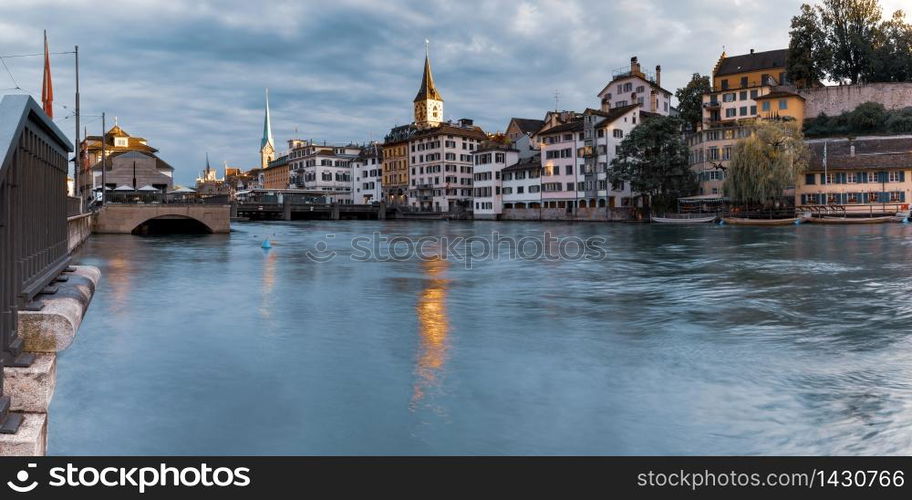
point(79, 227)
point(582, 214)
point(839, 99)
point(123, 219)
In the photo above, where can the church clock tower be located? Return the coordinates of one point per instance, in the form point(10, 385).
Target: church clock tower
point(428, 102)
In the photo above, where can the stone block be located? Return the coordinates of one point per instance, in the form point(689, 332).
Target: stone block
point(31, 388)
point(53, 328)
point(30, 441)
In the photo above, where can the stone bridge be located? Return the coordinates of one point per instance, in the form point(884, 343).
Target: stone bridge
point(123, 218)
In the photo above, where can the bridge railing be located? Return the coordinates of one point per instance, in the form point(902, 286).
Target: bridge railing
point(33, 222)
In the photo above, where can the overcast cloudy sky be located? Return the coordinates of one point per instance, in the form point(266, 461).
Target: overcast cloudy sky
point(189, 75)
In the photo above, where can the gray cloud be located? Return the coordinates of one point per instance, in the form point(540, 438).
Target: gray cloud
point(189, 75)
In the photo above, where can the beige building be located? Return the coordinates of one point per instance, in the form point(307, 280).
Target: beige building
point(863, 175)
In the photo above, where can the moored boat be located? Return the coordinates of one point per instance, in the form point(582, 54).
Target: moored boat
point(829, 219)
point(687, 219)
point(743, 221)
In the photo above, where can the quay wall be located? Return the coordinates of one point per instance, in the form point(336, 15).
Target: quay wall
point(79, 227)
point(616, 214)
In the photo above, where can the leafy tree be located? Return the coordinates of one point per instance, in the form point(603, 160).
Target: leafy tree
point(900, 122)
point(851, 27)
point(690, 99)
point(765, 163)
point(809, 56)
point(654, 160)
point(846, 41)
point(891, 56)
point(867, 117)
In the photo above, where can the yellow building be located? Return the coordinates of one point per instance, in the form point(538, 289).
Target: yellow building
point(395, 164)
point(277, 175)
point(862, 175)
point(744, 88)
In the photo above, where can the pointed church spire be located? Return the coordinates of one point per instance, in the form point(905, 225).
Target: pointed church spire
point(427, 90)
point(267, 127)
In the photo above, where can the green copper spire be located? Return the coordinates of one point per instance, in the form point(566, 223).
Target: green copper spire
point(267, 127)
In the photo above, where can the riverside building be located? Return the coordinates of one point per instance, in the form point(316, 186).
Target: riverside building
point(744, 88)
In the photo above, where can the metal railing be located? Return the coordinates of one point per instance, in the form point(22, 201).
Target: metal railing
point(33, 223)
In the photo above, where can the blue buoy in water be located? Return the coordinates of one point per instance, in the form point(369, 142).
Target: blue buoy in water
point(266, 244)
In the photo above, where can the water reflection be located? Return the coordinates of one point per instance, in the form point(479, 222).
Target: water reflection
point(433, 328)
point(269, 265)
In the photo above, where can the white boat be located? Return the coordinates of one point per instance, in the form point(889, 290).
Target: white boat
point(685, 219)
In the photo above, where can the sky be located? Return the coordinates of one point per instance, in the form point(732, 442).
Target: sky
point(189, 75)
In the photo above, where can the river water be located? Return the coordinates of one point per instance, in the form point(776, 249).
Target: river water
point(674, 340)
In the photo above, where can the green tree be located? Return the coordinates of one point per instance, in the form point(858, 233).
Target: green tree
point(690, 99)
point(891, 56)
point(851, 28)
point(809, 56)
point(765, 163)
point(868, 117)
point(654, 160)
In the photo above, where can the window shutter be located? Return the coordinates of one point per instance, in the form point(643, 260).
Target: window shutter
point(902, 176)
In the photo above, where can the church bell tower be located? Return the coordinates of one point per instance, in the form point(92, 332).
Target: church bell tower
point(428, 102)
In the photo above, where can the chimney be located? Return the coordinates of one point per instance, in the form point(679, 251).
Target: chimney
point(659, 75)
point(634, 65)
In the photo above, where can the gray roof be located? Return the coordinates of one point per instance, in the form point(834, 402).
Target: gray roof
point(756, 61)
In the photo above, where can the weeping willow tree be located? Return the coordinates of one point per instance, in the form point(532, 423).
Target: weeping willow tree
point(765, 163)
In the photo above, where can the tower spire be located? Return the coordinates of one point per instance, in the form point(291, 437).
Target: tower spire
point(267, 127)
point(427, 90)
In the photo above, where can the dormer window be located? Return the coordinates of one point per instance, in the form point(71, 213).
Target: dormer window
point(120, 142)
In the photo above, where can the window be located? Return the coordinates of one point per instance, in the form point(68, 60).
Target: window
point(724, 84)
point(783, 104)
point(765, 106)
point(753, 110)
point(728, 97)
point(618, 133)
point(731, 112)
point(810, 179)
point(744, 81)
point(742, 95)
point(754, 94)
point(743, 110)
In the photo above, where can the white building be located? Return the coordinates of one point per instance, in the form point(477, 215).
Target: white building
point(441, 164)
point(576, 156)
point(490, 160)
point(324, 168)
point(367, 172)
point(521, 184)
point(634, 86)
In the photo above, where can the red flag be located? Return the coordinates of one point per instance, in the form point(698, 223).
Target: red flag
point(47, 88)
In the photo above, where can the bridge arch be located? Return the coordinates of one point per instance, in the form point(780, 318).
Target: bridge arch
point(169, 224)
point(151, 218)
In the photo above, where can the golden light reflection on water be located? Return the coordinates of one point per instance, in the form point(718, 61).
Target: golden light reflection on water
point(118, 280)
point(433, 328)
point(269, 264)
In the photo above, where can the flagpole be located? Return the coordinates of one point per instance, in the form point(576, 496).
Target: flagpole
point(103, 166)
point(77, 159)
